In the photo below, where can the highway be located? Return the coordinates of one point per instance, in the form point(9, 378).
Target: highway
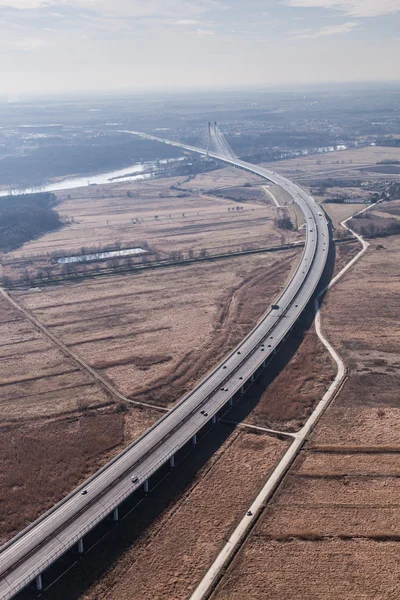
point(29, 553)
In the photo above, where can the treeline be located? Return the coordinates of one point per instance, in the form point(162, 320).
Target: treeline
point(265, 155)
point(24, 217)
point(285, 223)
point(53, 272)
point(393, 192)
point(323, 184)
point(286, 139)
point(390, 142)
point(190, 167)
point(379, 227)
point(372, 230)
point(350, 200)
point(81, 157)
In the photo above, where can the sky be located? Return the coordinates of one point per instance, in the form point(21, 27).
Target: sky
point(62, 46)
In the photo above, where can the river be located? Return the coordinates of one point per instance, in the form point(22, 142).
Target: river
point(132, 173)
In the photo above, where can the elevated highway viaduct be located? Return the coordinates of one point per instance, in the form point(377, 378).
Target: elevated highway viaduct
point(24, 558)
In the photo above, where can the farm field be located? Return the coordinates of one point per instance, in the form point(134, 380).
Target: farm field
point(154, 334)
point(166, 214)
point(333, 164)
point(57, 425)
point(285, 402)
point(341, 212)
point(182, 542)
point(393, 208)
point(332, 530)
point(151, 335)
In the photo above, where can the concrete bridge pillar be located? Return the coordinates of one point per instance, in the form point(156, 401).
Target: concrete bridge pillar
point(252, 378)
point(194, 439)
point(39, 583)
point(230, 401)
point(172, 461)
point(80, 546)
point(115, 514)
point(214, 419)
point(146, 486)
point(242, 390)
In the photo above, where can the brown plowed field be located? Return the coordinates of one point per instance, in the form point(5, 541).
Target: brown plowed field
point(335, 164)
point(167, 218)
point(392, 208)
point(286, 402)
point(332, 530)
point(173, 554)
point(37, 380)
point(57, 425)
point(317, 570)
point(345, 252)
point(120, 326)
point(154, 334)
point(349, 490)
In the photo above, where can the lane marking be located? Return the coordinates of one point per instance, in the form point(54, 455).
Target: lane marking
point(235, 541)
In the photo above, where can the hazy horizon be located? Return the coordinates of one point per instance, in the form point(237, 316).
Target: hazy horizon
point(127, 46)
point(100, 94)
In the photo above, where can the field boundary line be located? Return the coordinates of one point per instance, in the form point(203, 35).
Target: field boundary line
point(245, 425)
point(212, 577)
point(82, 364)
point(139, 268)
point(267, 191)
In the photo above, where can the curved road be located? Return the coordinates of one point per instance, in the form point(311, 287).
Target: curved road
point(29, 553)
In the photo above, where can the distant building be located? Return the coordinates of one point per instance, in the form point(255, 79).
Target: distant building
point(52, 128)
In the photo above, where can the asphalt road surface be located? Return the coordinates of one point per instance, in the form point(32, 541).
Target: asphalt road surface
point(40, 544)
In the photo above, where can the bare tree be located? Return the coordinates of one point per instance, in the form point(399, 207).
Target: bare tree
point(48, 271)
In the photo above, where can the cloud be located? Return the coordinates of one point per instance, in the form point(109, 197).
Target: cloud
point(204, 32)
point(29, 44)
point(180, 9)
point(56, 14)
point(187, 22)
point(24, 4)
point(327, 31)
point(354, 8)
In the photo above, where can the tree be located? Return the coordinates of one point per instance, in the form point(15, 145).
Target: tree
point(48, 271)
point(284, 223)
point(26, 277)
point(7, 281)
